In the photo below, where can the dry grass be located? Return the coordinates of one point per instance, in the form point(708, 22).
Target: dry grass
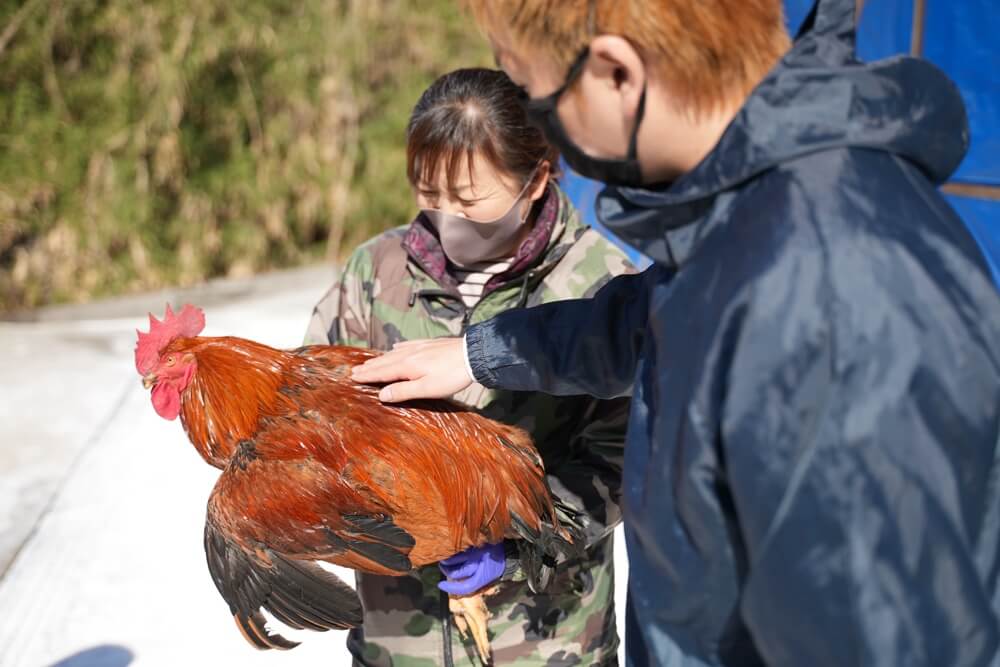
point(145, 144)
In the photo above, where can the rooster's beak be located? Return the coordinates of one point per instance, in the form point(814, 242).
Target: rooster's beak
point(148, 380)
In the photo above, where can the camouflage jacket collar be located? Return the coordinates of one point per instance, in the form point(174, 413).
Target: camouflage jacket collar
point(539, 249)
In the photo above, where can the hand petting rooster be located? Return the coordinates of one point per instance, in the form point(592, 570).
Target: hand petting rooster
point(316, 468)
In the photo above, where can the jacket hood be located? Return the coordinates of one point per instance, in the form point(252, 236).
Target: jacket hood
point(818, 97)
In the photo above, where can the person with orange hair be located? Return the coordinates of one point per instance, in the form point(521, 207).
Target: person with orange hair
point(812, 473)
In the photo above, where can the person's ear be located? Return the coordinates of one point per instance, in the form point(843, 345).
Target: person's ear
point(541, 180)
point(615, 64)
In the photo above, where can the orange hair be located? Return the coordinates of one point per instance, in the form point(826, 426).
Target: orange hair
point(707, 52)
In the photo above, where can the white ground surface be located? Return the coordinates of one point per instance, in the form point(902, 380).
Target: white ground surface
point(102, 502)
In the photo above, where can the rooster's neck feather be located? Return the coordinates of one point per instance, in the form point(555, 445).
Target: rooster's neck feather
point(235, 384)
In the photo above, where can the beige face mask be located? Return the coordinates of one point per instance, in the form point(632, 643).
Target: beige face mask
point(466, 241)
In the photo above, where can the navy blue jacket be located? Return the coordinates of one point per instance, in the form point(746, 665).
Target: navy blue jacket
point(811, 473)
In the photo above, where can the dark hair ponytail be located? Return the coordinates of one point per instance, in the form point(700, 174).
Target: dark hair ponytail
point(472, 112)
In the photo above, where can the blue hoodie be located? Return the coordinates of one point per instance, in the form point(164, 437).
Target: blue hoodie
point(811, 475)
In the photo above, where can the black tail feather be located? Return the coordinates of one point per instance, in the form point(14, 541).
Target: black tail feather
point(300, 594)
point(254, 629)
point(300, 617)
point(540, 550)
point(315, 594)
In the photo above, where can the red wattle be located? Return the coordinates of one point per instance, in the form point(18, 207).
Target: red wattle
point(166, 401)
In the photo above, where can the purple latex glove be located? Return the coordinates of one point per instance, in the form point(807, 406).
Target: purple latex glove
point(472, 569)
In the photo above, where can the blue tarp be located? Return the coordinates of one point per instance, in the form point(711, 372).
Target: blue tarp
point(982, 217)
point(960, 37)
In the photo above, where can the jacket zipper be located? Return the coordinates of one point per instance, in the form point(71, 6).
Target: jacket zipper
point(467, 312)
point(448, 658)
point(445, 608)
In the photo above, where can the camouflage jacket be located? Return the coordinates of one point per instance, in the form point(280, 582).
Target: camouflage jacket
point(397, 287)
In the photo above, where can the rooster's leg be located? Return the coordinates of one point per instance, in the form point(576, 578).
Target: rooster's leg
point(471, 614)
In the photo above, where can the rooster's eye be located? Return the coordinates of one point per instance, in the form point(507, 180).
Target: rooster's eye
point(170, 360)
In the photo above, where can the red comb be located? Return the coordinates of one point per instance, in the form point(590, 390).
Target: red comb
point(187, 323)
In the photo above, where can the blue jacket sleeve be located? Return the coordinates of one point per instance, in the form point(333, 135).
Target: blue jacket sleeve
point(848, 456)
point(579, 346)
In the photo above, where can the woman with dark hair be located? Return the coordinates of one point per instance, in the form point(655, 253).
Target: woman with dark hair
point(494, 232)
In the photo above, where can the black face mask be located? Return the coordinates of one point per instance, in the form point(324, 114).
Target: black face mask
point(542, 112)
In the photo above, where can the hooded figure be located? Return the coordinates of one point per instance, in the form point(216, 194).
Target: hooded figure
point(811, 469)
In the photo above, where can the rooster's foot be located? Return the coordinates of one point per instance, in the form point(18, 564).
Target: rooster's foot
point(471, 615)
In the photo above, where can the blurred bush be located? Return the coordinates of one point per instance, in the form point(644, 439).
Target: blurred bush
point(152, 143)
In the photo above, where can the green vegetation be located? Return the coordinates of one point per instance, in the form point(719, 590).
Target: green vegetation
point(165, 142)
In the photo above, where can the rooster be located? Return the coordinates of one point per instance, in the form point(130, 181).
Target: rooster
point(316, 468)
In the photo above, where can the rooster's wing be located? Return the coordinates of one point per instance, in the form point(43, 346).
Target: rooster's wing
point(275, 508)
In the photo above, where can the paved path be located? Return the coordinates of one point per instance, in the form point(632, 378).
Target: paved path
point(102, 502)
